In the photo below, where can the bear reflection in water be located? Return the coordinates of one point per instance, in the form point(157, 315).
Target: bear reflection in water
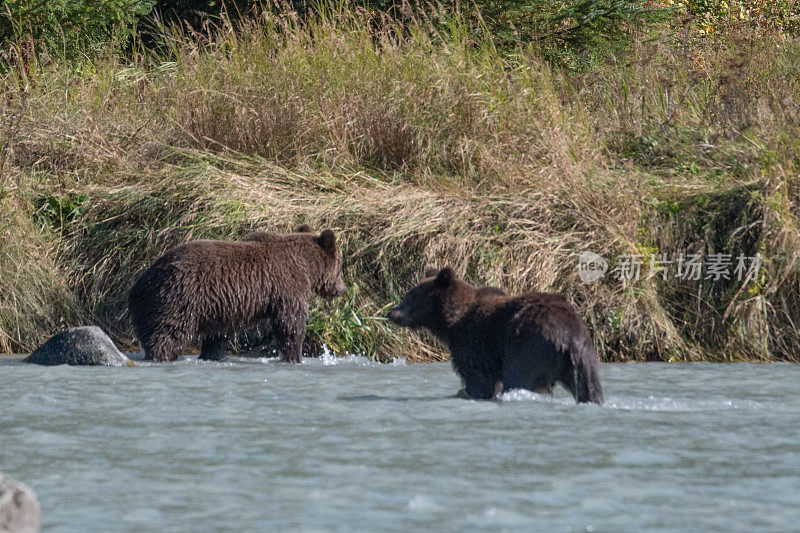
point(500, 342)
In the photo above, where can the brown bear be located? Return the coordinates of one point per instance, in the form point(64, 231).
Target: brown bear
point(529, 341)
point(211, 289)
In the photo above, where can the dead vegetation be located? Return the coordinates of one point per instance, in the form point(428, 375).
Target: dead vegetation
point(421, 146)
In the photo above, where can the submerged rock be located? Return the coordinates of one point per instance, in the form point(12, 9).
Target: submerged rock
point(19, 508)
point(85, 345)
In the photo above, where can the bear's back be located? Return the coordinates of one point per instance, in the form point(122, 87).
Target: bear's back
point(240, 270)
point(203, 254)
point(254, 248)
point(551, 315)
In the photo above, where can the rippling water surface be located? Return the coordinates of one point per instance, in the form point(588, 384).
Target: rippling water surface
point(353, 445)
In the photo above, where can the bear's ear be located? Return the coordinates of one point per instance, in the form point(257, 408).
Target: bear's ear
point(430, 272)
point(304, 228)
point(446, 277)
point(327, 241)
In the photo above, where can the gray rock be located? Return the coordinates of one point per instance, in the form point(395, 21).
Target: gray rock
point(86, 345)
point(19, 508)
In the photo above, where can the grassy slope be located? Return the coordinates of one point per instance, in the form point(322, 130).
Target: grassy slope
point(425, 149)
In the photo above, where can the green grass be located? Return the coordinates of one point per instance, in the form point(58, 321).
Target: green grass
point(421, 146)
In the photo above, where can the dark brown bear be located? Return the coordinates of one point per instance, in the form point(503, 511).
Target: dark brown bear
point(211, 289)
point(528, 342)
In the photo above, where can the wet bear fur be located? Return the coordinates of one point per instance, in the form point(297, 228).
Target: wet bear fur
point(212, 289)
point(531, 341)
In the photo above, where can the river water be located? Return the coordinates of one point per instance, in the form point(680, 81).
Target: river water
point(351, 445)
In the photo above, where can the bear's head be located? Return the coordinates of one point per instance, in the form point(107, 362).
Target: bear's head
point(425, 305)
point(330, 283)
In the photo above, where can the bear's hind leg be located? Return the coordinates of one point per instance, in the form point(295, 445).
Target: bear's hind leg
point(569, 379)
point(582, 381)
point(531, 362)
point(213, 348)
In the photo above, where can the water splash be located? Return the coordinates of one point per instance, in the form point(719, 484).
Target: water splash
point(683, 405)
point(328, 358)
point(650, 403)
point(524, 395)
point(421, 503)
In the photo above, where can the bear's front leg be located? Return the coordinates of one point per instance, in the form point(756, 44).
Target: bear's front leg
point(478, 368)
point(290, 341)
point(213, 348)
point(163, 347)
point(481, 389)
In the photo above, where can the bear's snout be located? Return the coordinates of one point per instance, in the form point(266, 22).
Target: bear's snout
point(396, 316)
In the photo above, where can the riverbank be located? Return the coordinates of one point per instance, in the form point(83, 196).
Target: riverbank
point(427, 146)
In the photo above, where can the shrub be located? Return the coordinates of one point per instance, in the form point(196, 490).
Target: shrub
point(575, 23)
point(68, 25)
point(193, 12)
point(712, 15)
point(562, 28)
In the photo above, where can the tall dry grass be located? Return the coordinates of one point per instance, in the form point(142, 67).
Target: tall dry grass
point(420, 144)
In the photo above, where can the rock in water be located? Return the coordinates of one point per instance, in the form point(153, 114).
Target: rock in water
point(19, 508)
point(86, 345)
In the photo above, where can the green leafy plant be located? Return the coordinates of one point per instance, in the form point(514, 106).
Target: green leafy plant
point(565, 28)
point(783, 15)
point(69, 25)
point(343, 328)
point(59, 212)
